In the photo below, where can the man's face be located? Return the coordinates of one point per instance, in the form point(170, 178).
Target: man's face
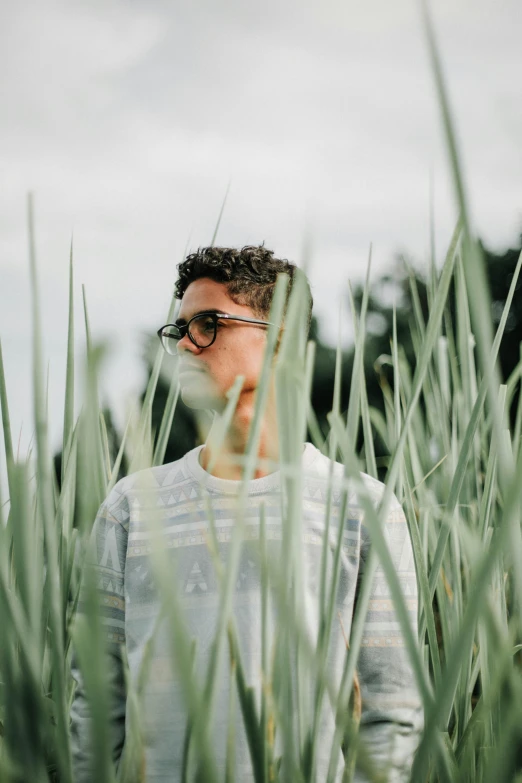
point(206, 374)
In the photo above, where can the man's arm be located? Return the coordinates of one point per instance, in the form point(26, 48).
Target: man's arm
point(392, 717)
point(106, 555)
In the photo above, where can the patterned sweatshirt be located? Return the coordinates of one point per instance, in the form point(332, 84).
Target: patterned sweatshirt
point(179, 495)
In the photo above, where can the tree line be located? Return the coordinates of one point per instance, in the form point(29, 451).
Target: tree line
point(392, 291)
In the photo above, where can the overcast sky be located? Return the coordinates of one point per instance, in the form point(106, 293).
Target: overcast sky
point(127, 119)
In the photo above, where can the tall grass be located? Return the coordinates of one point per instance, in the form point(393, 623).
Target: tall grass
point(455, 464)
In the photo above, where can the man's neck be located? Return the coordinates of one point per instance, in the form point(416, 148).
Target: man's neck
point(228, 460)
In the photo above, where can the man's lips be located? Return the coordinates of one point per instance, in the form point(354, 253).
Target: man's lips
point(185, 369)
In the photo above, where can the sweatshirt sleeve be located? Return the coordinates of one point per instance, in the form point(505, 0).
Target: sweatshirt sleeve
point(391, 715)
point(106, 555)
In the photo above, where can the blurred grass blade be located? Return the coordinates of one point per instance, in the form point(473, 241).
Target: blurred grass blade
point(469, 435)
point(437, 714)
point(375, 527)
point(352, 419)
point(421, 368)
point(46, 511)
point(166, 422)
point(118, 461)
point(218, 223)
point(6, 421)
point(68, 417)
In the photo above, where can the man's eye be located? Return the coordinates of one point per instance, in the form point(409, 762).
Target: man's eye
point(208, 325)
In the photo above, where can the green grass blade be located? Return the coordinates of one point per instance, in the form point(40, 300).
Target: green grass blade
point(469, 436)
point(352, 419)
point(230, 762)
point(68, 417)
point(121, 451)
point(424, 589)
point(45, 502)
point(437, 715)
point(105, 446)
point(372, 520)
point(143, 458)
point(421, 368)
point(166, 422)
point(6, 421)
point(218, 222)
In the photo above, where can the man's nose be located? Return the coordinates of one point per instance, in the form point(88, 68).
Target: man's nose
point(186, 344)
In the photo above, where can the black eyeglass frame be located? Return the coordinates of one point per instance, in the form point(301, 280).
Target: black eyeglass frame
point(183, 329)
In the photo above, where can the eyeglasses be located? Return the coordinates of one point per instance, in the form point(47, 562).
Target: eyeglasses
point(201, 330)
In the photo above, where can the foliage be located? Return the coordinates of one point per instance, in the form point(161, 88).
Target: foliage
point(396, 292)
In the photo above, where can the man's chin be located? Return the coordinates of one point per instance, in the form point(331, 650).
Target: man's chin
point(196, 401)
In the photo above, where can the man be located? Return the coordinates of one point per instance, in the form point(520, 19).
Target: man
point(221, 332)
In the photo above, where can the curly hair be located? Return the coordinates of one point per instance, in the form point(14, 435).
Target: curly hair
point(250, 274)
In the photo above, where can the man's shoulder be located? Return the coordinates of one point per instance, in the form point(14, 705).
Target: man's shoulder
point(158, 479)
point(319, 467)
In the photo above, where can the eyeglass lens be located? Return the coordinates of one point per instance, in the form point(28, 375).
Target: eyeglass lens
point(201, 329)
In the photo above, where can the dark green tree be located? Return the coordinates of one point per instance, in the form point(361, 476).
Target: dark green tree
point(394, 290)
point(391, 290)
